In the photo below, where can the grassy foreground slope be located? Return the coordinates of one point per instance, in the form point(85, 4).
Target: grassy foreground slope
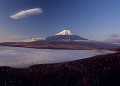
point(101, 70)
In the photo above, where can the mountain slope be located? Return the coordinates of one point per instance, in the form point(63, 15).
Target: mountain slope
point(65, 37)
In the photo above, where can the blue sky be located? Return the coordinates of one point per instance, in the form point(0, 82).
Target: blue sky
point(91, 19)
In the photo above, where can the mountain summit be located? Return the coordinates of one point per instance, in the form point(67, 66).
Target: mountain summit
point(65, 35)
point(64, 32)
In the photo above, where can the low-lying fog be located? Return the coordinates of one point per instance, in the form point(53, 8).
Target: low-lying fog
point(22, 57)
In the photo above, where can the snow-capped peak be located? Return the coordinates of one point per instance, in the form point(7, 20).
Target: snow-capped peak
point(64, 32)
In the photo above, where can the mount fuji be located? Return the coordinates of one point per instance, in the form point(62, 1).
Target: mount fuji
point(65, 35)
point(63, 40)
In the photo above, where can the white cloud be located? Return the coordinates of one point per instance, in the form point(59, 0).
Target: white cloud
point(13, 38)
point(113, 38)
point(33, 39)
point(26, 13)
point(114, 35)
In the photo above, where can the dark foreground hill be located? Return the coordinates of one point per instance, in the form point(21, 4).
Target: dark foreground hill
point(101, 70)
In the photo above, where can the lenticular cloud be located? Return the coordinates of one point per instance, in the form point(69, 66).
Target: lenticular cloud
point(25, 13)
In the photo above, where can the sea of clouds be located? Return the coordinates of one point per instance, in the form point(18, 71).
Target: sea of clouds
point(24, 57)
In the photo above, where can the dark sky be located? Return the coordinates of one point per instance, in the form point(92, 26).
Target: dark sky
point(91, 19)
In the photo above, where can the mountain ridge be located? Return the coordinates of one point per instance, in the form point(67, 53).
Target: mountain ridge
point(63, 42)
point(65, 37)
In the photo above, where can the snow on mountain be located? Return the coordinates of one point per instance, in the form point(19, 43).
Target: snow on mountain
point(64, 32)
point(65, 35)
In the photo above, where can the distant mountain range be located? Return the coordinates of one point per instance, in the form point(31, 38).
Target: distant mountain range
point(63, 40)
point(64, 35)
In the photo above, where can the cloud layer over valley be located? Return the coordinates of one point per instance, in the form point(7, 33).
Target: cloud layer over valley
point(15, 56)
